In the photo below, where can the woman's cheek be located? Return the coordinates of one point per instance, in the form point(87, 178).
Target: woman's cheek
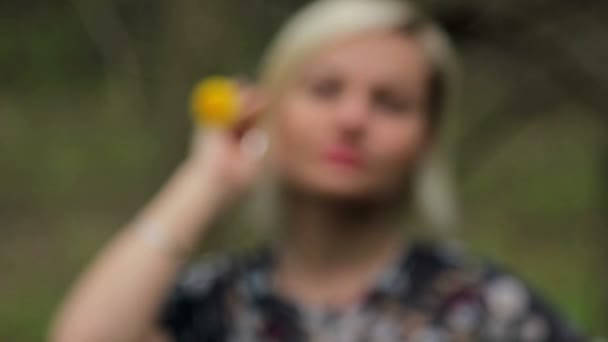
point(399, 146)
point(294, 127)
point(297, 134)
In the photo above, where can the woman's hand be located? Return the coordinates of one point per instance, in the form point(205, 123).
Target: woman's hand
point(225, 161)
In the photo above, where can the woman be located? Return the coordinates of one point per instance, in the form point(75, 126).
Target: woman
point(352, 94)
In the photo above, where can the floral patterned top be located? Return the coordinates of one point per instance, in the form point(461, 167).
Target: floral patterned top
point(433, 292)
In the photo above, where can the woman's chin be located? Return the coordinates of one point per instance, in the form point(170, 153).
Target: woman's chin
point(337, 187)
point(341, 189)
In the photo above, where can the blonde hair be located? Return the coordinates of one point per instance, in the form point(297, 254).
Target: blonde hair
point(325, 21)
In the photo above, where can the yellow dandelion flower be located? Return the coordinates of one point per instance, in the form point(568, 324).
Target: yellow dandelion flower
point(215, 102)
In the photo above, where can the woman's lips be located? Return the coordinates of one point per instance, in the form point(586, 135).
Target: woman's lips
point(344, 156)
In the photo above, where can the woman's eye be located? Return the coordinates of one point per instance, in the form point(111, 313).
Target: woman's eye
point(326, 89)
point(392, 103)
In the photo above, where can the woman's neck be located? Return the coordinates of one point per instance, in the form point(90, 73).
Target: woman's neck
point(337, 244)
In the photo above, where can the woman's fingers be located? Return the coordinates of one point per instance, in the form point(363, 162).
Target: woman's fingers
point(252, 107)
point(252, 141)
point(242, 137)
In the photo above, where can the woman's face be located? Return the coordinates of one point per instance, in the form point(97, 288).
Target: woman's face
point(353, 121)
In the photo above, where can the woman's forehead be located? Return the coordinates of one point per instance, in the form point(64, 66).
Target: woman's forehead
point(373, 54)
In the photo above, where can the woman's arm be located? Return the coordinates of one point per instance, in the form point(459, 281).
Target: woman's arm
point(118, 298)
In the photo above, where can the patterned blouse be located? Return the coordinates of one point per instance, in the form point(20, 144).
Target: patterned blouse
point(433, 292)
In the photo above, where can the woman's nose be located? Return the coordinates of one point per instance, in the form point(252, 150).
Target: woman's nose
point(353, 112)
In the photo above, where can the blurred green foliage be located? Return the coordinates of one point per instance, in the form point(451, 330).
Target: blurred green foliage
point(93, 119)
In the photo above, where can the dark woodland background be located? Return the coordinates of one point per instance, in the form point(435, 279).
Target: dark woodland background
point(93, 118)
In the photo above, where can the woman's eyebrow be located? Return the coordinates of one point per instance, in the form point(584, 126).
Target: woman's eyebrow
point(325, 69)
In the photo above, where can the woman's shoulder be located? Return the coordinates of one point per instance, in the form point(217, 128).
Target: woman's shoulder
point(195, 304)
point(219, 268)
point(198, 276)
point(480, 292)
